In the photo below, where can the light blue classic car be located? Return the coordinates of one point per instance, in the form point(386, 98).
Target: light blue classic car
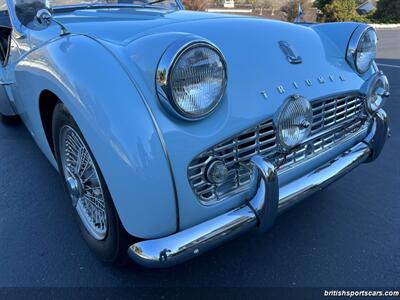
point(175, 131)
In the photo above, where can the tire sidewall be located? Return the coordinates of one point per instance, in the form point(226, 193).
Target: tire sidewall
point(108, 248)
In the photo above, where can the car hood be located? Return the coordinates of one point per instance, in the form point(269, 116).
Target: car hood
point(122, 26)
point(257, 66)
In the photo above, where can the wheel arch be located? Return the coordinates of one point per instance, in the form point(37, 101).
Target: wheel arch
point(47, 103)
point(114, 121)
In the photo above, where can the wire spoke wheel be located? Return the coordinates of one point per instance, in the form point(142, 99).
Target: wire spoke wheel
point(83, 182)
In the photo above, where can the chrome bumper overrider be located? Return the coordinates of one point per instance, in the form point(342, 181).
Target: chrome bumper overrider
point(262, 210)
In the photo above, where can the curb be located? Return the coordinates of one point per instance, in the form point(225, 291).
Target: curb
point(385, 26)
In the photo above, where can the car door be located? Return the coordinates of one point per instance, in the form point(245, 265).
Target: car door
point(14, 43)
point(7, 107)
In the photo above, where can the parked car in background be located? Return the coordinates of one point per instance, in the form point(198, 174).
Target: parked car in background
point(174, 131)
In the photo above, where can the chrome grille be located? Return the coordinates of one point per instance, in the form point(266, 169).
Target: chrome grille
point(329, 117)
point(317, 145)
point(240, 149)
point(327, 113)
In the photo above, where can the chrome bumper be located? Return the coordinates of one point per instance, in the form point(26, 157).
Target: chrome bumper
point(262, 210)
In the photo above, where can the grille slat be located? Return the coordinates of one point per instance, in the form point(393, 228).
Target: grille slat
point(244, 141)
point(266, 142)
point(199, 184)
point(331, 112)
point(261, 140)
point(267, 133)
point(194, 177)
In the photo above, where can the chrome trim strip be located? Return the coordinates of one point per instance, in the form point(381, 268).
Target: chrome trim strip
point(184, 245)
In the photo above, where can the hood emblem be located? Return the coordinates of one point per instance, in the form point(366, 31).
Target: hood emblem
point(289, 52)
point(307, 83)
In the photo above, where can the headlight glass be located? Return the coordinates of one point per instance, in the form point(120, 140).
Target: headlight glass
point(366, 50)
point(377, 94)
point(294, 122)
point(198, 80)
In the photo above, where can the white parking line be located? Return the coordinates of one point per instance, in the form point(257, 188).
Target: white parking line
point(391, 66)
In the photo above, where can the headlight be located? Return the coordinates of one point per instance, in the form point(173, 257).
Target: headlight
point(377, 93)
point(191, 78)
point(294, 122)
point(362, 48)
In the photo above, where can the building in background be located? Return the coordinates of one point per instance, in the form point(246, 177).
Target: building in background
point(366, 7)
point(272, 9)
point(229, 4)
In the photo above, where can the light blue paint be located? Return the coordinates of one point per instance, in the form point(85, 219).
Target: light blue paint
point(104, 72)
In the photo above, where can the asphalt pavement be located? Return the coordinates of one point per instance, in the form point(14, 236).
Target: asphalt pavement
point(347, 235)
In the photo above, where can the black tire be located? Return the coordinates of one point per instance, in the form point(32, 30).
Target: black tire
point(113, 248)
point(9, 120)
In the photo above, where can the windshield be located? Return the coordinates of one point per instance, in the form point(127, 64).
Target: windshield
point(168, 4)
point(164, 3)
point(26, 11)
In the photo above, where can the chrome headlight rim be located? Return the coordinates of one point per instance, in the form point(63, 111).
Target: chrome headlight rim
point(283, 146)
point(353, 47)
point(165, 68)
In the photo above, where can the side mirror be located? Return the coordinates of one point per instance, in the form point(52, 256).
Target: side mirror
point(27, 12)
point(44, 17)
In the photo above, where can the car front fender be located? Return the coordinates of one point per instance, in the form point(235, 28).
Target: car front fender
point(115, 122)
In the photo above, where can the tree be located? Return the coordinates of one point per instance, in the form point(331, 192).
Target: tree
point(341, 11)
point(291, 9)
point(320, 4)
point(259, 4)
point(195, 4)
point(387, 11)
